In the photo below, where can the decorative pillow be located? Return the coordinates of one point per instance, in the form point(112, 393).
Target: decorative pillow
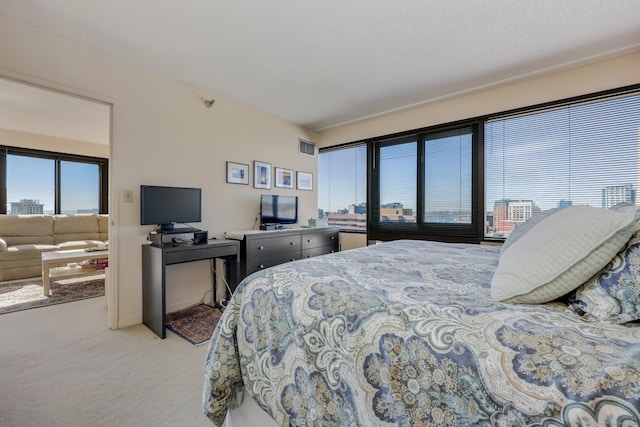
point(560, 253)
point(613, 295)
point(522, 229)
point(3, 245)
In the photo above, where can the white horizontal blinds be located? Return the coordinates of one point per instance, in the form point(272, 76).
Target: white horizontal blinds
point(398, 184)
point(342, 188)
point(580, 154)
point(447, 177)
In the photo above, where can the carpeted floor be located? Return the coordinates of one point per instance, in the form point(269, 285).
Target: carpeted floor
point(25, 294)
point(195, 324)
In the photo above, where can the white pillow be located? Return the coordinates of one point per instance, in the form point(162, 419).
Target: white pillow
point(560, 253)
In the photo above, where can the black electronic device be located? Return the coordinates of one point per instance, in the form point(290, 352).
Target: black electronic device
point(275, 210)
point(166, 206)
point(200, 237)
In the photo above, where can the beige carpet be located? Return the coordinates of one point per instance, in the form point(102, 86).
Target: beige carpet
point(28, 293)
point(61, 366)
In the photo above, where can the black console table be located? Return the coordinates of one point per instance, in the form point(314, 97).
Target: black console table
point(154, 262)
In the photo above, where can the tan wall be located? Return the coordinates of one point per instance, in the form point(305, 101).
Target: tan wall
point(352, 240)
point(613, 73)
point(42, 142)
point(164, 135)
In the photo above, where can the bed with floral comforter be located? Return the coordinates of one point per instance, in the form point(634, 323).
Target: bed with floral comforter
point(405, 333)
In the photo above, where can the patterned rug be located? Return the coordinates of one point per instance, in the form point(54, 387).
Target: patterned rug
point(27, 293)
point(195, 324)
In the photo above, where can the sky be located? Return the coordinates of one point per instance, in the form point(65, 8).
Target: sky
point(34, 178)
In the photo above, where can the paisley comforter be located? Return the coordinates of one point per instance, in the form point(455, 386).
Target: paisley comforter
point(404, 333)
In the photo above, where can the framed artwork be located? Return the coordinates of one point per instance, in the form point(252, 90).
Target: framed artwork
point(284, 178)
point(261, 175)
point(237, 173)
point(305, 181)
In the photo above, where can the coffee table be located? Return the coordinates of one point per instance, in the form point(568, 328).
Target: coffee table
point(53, 258)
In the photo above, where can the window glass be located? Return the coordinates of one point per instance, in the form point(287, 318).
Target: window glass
point(579, 154)
point(447, 178)
point(30, 185)
point(342, 188)
point(80, 188)
point(398, 180)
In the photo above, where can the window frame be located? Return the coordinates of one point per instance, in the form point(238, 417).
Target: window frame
point(103, 171)
point(421, 230)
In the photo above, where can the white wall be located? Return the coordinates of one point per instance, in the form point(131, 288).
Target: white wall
point(162, 134)
point(42, 142)
point(610, 74)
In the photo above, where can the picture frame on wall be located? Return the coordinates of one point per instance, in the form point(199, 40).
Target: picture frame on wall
point(237, 173)
point(305, 180)
point(284, 178)
point(261, 175)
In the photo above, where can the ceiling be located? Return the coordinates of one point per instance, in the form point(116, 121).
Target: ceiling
point(320, 64)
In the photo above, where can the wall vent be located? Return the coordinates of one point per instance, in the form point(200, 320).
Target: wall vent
point(307, 148)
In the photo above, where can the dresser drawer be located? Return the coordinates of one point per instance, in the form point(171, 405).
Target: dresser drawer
point(272, 245)
point(314, 240)
point(322, 250)
point(260, 263)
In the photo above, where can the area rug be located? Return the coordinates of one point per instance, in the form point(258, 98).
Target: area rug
point(195, 324)
point(24, 294)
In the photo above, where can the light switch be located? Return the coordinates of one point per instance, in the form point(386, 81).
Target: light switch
point(127, 196)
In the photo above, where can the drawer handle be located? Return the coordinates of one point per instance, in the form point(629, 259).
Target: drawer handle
point(292, 243)
point(293, 259)
point(308, 240)
point(261, 266)
point(333, 237)
point(260, 248)
point(308, 256)
point(332, 251)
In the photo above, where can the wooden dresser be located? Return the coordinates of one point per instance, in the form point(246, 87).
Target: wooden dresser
point(262, 249)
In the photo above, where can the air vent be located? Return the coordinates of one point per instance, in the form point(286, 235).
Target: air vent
point(308, 148)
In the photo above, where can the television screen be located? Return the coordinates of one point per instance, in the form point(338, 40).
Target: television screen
point(166, 206)
point(278, 209)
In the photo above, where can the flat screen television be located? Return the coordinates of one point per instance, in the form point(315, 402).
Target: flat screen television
point(167, 206)
point(277, 210)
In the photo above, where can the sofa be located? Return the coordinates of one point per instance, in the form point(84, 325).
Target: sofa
point(23, 239)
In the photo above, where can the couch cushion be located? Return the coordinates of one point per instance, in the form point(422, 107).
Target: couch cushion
point(25, 229)
point(27, 251)
point(75, 227)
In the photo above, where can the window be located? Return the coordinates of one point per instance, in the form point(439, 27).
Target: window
point(79, 187)
point(422, 186)
point(579, 153)
point(397, 169)
point(342, 188)
point(483, 177)
point(447, 177)
point(40, 182)
point(30, 185)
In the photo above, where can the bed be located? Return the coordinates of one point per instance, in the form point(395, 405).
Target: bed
point(412, 333)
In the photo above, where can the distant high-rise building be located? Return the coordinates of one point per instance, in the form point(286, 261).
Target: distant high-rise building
point(27, 207)
point(508, 214)
point(614, 194)
point(564, 203)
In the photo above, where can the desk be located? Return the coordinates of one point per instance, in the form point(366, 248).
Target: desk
point(154, 262)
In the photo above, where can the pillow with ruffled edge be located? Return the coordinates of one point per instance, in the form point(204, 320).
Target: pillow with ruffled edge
point(613, 295)
point(560, 253)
